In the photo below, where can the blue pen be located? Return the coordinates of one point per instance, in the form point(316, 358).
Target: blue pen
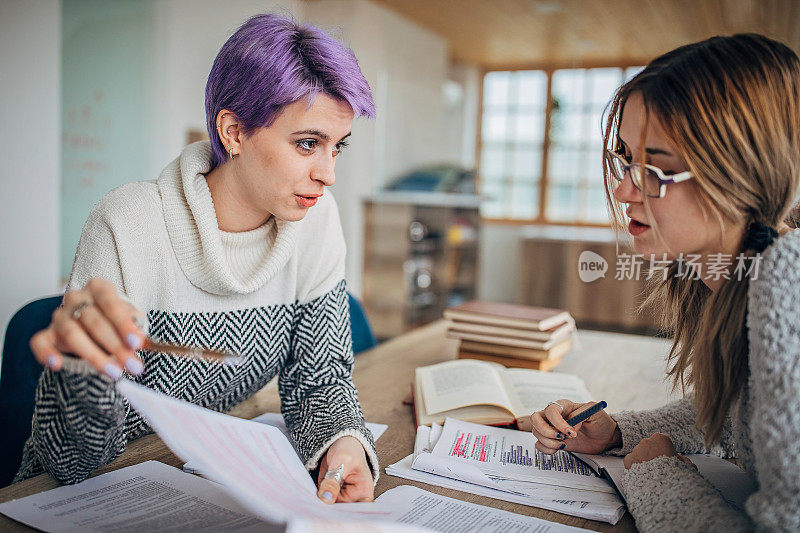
point(577, 419)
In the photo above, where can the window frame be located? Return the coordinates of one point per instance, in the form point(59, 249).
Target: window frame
point(549, 70)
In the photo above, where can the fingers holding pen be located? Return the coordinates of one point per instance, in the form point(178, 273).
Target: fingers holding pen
point(580, 427)
point(96, 325)
point(73, 339)
point(556, 413)
point(549, 424)
point(546, 435)
point(43, 346)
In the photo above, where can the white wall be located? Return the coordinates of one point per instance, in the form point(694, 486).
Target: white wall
point(406, 66)
point(461, 115)
point(189, 35)
point(30, 59)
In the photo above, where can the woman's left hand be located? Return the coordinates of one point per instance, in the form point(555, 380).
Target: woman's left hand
point(356, 484)
point(650, 448)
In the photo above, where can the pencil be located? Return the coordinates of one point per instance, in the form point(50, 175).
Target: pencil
point(577, 419)
point(76, 365)
point(191, 352)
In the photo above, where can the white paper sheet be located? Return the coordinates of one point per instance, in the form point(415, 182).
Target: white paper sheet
point(276, 420)
point(153, 497)
point(414, 506)
point(254, 463)
point(593, 505)
point(150, 496)
point(510, 454)
point(256, 466)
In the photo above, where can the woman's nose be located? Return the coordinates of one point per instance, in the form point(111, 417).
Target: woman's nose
point(627, 192)
point(323, 171)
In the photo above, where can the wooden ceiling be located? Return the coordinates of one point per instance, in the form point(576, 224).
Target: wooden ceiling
point(557, 33)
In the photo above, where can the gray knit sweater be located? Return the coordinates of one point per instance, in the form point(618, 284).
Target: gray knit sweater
point(762, 430)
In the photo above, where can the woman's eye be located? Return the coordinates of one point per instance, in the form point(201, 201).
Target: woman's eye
point(307, 145)
point(339, 147)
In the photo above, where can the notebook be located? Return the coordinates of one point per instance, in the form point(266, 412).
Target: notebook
point(734, 484)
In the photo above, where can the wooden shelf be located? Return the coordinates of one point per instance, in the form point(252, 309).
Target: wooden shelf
point(409, 282)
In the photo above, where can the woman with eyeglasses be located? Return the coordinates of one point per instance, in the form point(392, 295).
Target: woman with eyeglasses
point(704, 159)
point(237, 246)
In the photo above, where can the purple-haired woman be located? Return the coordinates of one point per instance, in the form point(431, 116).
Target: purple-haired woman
point(236, 246)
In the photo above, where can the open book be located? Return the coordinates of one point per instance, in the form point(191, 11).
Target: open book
point(488, 393)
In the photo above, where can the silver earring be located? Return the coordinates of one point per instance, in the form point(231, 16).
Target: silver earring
point(228, 130)
point(230, 152)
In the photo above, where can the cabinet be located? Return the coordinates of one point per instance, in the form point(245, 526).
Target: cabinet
point(550, 278)
point(420, 256)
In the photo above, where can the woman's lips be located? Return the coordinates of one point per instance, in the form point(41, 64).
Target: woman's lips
point(306, 201)
point(636, 228)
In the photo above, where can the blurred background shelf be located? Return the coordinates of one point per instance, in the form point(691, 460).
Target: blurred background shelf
point(420, 256)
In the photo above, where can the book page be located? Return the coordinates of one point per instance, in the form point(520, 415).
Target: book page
point(531, 390)
point(461, 383)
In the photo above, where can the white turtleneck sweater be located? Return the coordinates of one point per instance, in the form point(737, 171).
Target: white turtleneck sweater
point(275, 295)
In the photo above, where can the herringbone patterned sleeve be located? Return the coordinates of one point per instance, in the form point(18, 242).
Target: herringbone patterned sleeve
point(318, 398)
point(78, 426)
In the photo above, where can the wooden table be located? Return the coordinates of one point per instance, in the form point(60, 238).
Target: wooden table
point(625, 370)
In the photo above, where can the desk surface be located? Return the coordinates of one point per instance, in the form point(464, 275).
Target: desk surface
point(383, 376)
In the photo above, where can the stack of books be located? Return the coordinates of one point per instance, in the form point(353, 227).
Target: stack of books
point(512, 335)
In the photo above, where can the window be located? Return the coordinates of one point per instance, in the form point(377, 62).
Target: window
point(513, 143)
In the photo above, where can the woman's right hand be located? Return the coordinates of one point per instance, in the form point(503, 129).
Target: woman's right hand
point(94, 324)
point(596, 434)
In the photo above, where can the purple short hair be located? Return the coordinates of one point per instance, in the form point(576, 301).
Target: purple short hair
point(272, 61)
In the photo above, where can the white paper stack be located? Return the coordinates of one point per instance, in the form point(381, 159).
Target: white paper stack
point(503, 464)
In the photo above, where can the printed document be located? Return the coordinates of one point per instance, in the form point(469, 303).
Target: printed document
point(254, 463)
point(276, 420)
point(260, 483)
point(604, 505)
point(510, 454)
point(150, 496)
point(591, 505)
point(414, 506)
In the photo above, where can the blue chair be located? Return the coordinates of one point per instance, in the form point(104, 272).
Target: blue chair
point(20, 374)
point(18, 379)
point(363, 338)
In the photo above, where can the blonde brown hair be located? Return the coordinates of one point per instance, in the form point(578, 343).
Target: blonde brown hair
point(731, 107)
